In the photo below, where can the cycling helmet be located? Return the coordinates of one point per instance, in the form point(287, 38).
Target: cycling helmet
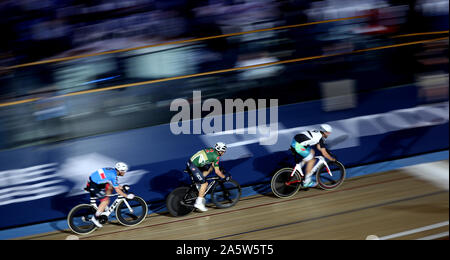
point(220, 147)
point(326, 128)
point(121, 167)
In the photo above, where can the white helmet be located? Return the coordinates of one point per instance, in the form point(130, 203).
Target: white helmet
point(121, 167)
point(326, 128)
point(220, 147)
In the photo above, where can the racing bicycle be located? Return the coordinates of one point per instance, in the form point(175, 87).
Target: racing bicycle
point(286, 182)
point(224, 194)
point(129, 212)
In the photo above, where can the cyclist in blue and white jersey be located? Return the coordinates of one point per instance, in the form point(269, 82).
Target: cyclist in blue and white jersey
point(301, 144)
point(101, 184)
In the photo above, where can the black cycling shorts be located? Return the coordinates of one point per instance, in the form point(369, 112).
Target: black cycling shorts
point(197, 173)
point(97, 190)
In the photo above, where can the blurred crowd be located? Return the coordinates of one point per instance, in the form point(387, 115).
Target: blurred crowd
point(40, 29)
point(37, 30)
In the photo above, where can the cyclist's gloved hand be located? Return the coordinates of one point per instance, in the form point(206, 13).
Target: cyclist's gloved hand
point(130, 196)
point(227, 178)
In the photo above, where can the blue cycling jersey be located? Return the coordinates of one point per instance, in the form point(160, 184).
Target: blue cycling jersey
point(105, 175)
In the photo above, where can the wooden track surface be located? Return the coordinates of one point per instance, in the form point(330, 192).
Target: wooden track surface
point(380, 204)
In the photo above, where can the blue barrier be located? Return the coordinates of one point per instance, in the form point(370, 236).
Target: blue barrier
point(50, 178)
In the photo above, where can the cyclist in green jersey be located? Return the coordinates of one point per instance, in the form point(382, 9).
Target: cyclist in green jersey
point(200, 166)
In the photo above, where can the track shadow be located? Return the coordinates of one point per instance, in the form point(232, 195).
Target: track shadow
point(278, 160)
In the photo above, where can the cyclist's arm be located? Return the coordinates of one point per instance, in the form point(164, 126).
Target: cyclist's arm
point(120, 192)
point(117, 187)
point(219, 172)
point(324, 152)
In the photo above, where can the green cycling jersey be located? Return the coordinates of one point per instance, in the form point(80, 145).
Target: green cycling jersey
point(206, 156)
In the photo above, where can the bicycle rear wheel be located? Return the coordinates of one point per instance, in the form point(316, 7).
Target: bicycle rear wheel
point(180, 201)
point(79, 219)
point(134, 216)
point(328, 181)
point(226, 194)
point(283, 185)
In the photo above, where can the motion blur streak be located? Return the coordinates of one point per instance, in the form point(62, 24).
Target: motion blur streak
point(417, 34)
point(176, 42)
point(229, 70)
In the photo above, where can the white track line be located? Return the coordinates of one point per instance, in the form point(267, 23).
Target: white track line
point(440, 235)
point(416, 230)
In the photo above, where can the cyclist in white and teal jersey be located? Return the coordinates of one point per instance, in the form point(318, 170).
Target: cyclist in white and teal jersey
point(201, 164)
point(302, 143)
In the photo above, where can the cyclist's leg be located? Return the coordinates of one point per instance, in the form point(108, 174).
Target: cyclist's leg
point(98, 191)
point(297, 157)
point(104, 201)
point(198, 179)
point(308, 157)
point(206, 170)
point(310, 162)
point(303, 152)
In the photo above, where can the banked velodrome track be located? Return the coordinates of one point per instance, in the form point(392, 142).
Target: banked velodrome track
point(406, 203)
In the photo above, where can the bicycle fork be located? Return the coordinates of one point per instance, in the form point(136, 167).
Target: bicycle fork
point(324, 162)
point(127, 204)
point(298, 167)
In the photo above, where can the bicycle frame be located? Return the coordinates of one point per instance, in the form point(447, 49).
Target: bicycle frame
point(298, 167)
point(210, 184)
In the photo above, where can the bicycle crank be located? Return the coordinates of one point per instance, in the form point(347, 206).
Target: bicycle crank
point(186, 204)
point(102, 219)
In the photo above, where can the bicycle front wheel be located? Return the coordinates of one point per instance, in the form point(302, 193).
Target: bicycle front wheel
point(79, 219)
point(131, 212)
point(226, 194)
point(333, 179)
point(284, 185)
